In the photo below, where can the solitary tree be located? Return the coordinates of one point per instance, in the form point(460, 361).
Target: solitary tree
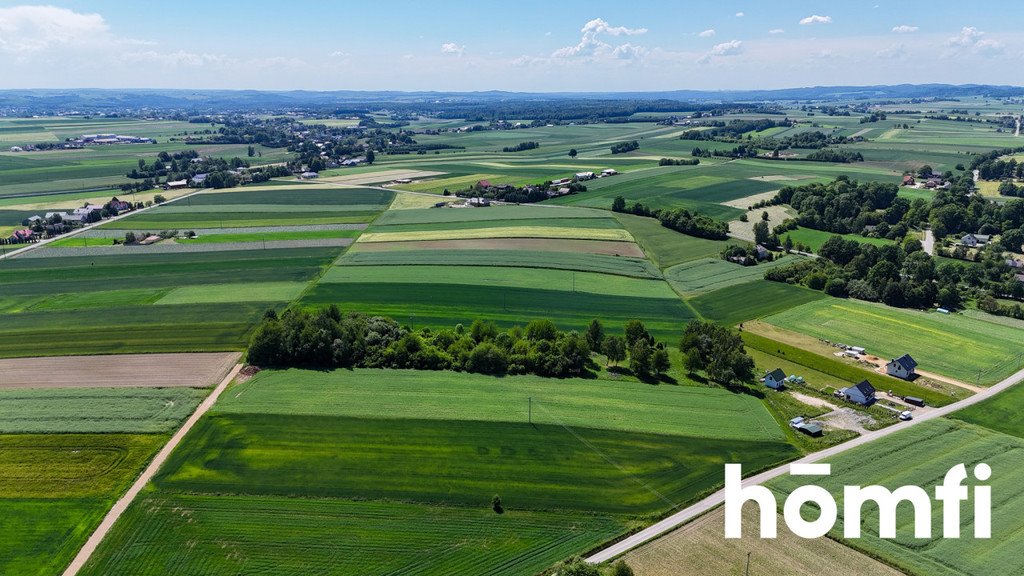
point(572, 153)
point(370, 156)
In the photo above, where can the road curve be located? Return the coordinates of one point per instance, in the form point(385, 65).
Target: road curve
point(122, 504)
point(691, 512)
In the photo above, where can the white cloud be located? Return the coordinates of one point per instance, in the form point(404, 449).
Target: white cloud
point(815, 19)
point(27, 29)
point(591, 45)
point(740, 14)
point(971, 40)
point(707, 33)
point(730, 48)
point(340, 55)
point(776, 31)
point(967, 36)
point(894, 52)
point(904, 29)
point(452, 48)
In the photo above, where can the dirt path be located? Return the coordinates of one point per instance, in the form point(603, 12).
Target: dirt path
point(929, 242)
point(111, 518)
point(813, 400)
point(716, 499)
point(880, 368)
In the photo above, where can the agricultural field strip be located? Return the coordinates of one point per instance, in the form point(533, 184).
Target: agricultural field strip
point(710, 274)
point(716, 499)
point(538, 278)
point(554, 232)
point(584, 262)
point(107, 233)
point(194, 370)
point(190, 247)
point(269, 208)
point(122, 504)
point(409, 394)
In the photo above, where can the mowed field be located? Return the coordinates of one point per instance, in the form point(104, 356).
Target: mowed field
point(411, 459)
point(921, 456)
point(571, 272)
point(972, 350)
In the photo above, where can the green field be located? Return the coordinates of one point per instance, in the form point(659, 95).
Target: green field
point(815, 238)
point(1000, 413)
point(170, 534)
point(710, 274)
point(550, 260)
point(985, 352)
point(367, 393)
point(95, 410)
point(755, 299)
point(667, 247)
point(921, 456)
point(227, 293)
point(55, 489)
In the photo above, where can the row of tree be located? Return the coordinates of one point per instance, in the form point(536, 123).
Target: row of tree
point(325, 338)
point(680, 219)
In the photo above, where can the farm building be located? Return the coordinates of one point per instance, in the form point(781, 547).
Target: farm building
point(775, 379)
point(974, 240)
point(806, 426)
point(309, 175)
point(609, 172)
point(478, 202)
point(17, 149)
point(176, 184)
point(908, 180)
point(863, 393)
point(584, 176)
point(902, 367)
point(199, 178)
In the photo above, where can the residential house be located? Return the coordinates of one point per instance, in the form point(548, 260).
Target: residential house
point(863, 393)
point(17, 149)
point(309, 175)
point(775, 379)
point(908, 180)
point(902, 367)
point(119, 205)
point(580, 176)
point(20, 236)
point(1019, 278)
point(609, 172)
point(762, 252)
point(478, 202)
point(198, 179)
point(975, 240)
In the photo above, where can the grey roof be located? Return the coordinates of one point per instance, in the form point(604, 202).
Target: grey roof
point(811, 427)
point(865, 388)
point(906, 362)
point(778, 375)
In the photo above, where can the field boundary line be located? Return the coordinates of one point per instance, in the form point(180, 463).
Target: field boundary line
point(122, 504)
point(696, 509)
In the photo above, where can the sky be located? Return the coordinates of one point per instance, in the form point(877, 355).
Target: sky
point(524, 46)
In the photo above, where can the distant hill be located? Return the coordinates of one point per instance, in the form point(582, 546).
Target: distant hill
point(97, 100)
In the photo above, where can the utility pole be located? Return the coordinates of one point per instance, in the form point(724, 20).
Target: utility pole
point(530, 399)
point(748, 564)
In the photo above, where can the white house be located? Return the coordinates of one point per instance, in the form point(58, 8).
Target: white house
point(902, 367)
point(973, 240)
point(775, 379)
point(584, 175)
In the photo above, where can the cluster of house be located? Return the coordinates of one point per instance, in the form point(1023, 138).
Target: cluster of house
point(109, 139)
point(932, 182)
point(56, 223)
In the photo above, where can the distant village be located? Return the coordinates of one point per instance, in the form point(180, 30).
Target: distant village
point(53, 224)
point(86, 140)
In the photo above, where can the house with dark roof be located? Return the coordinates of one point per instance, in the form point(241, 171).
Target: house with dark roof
point(863, 393)
point(775, 379)
point(902, 367)
point(974, 240)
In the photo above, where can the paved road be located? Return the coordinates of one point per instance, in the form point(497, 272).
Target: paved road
point(108, 521)
point(691, 512)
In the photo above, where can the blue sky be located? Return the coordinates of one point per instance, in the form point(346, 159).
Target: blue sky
point(527, 45)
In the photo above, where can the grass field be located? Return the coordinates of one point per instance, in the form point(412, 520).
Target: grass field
point(709, 274)
point(366, 393)
point(54, 489)
point(227, 293)
point(1000, 413)
point(921, 456)
point(754, 299)
point(95, 410)
point(539, 466)
point(167, 534)
point(985, 352)
point(544, 259)
point(815, 238)
point(667, 247)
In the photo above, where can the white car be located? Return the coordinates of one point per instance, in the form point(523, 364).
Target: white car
point(906, 415)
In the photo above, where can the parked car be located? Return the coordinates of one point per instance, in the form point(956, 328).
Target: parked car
point(906, 415)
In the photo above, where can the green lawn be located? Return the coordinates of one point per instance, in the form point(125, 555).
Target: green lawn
point(815, 238)
point(368, 393)
point(710, 274)
point(965, 348)
point(1001, 413)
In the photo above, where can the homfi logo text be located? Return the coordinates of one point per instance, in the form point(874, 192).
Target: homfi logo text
point(950, 493)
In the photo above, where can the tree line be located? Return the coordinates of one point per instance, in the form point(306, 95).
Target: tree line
point(680, 219)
